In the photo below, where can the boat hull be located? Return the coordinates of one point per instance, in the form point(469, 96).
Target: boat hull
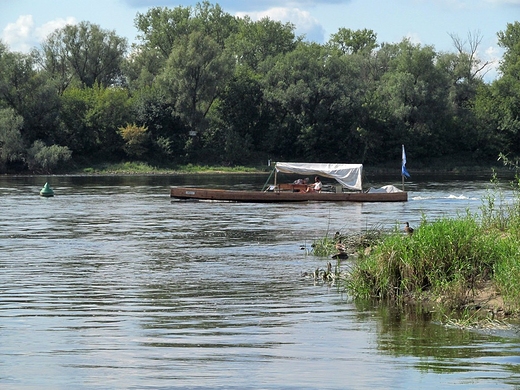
point(205, 194)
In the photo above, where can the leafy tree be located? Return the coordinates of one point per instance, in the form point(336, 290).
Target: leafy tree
point(195, 75)
point(312, 95)
point(509, 84)
point(74, 131)
point(243, 113)
point(85, 52)
point(464, 72)
point(16, 73)
point(53, 59)
point(168, 134)
point(31, 94)
point(491, 139)
point(415, 96)
point(11, 142)
point(91, 118)
point(161, 27)
point(258, 40)
point(502, 101)
point(213, 21)
point(510, 41)
point(141, 68)
point(348, 41)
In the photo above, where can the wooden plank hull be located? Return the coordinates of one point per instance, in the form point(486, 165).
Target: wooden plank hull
point(190, 193)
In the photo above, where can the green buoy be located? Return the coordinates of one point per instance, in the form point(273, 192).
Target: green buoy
point(46, 190)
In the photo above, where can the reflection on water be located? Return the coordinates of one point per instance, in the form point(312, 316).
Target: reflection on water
point(111, 285)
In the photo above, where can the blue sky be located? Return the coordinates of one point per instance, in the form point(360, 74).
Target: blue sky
point(24, 23)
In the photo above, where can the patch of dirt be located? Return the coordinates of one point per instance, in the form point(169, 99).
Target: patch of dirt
point(487, 298)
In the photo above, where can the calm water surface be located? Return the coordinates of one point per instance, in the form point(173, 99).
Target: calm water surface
point(111, 285)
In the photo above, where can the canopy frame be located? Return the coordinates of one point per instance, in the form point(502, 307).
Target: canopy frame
point(348, 175)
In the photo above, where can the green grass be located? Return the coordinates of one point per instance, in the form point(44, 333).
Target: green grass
point(446, 262)
point(121, 168)
point(190, 168)
point(145, 168)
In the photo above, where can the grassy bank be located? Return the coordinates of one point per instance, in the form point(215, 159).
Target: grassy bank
point(447, 261)
point(461, 264)
point(132, 168)
point(448, 166)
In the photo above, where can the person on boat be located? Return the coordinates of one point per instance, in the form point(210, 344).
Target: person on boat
point(316, 186)
point(301, 181)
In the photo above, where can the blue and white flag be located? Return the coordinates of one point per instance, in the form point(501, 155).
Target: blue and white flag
point(403, 168)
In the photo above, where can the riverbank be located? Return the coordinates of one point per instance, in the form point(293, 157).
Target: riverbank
point(465, 267)
point(136, 168)
point(382, 169)
point(451, 167)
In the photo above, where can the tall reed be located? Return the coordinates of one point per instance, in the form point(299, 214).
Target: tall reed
point(446, 260)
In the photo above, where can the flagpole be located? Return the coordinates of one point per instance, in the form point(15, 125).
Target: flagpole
point(402, 165)
point(404, 172)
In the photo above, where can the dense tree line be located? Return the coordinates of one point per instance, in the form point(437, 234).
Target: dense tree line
point(203, 86)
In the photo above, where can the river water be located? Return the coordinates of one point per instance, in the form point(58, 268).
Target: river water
point(111, 285)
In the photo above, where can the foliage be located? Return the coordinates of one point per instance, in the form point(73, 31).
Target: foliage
point(190, 168)
point(215, 88)
point(122, 168)
point(324, 247)
point(11, 142)
point(145, 168)
point(44, 159)
point(256, 41)
point(348, 41)
point(194, 76)
point(83, 52)
point(135, 138)
point(91, 118)
point(448, 259)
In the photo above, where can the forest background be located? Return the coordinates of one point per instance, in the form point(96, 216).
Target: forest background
point(204, 87)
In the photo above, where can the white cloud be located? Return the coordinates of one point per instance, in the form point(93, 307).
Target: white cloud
point(42, 32)
point(414, 38)
point(492, 55)
point(22, 35)
point(234, 4)
point(17, 35)
point(504, 1)
point(303, 21)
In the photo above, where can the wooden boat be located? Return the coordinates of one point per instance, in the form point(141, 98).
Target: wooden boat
point(347, 175)
point(188, 193)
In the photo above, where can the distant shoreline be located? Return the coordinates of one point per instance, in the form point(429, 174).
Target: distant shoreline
point(128, 169)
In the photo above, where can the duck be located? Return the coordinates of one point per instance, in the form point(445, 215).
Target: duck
point(342, 251)
point(340, 247)
point(408, 229)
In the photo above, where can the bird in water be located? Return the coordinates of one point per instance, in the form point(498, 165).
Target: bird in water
point(342, 251)
point(408, 229)
point(340, 247)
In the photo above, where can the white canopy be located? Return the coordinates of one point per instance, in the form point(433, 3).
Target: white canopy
point(348, 175)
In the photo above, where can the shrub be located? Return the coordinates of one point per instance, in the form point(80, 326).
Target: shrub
point(44, 159)
point(135, 138)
